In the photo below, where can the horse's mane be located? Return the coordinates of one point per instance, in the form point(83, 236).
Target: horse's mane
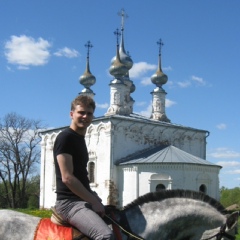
point(178, 193)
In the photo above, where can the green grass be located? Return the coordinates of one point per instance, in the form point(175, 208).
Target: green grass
point(36, 212)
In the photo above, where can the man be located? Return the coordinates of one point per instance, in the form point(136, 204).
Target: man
point(76, 203)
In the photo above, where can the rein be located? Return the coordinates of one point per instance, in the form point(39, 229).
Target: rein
point(221, 234)
point(128, 233)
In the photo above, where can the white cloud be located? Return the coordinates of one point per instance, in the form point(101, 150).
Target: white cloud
point(169, 68)
point(25, 51)
point(193, 80)
point(67, 52)
point(228, 163)
point(103, 105)
point(146, 81)
point(140, 103)
point(184, 84)
point(224, 153)
point(198, 80)
point(140, 69)
point(222, 126)
point(147, 112)
point(169, 103)
point(9, 69)
point(236, 171)
point(21, 67)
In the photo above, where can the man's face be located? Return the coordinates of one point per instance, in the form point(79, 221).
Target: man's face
point(81, 118)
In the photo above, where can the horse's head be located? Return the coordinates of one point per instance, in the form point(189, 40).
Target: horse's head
point(227, 231)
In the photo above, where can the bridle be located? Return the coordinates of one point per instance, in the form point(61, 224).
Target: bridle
point(124, 226)
point(221, 234)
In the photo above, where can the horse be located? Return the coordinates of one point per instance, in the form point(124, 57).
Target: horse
point(162, 215)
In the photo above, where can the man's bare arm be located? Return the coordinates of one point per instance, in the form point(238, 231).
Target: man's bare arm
point(66, 168)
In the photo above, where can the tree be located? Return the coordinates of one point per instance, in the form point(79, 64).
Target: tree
point(230, 196)
point(19, 155)
point(33, 192)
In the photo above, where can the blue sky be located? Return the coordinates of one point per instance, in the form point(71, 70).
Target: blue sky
point(42, 56)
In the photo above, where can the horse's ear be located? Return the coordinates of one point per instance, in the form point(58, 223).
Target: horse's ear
point(232, 220)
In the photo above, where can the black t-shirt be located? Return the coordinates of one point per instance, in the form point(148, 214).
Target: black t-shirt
point(68, 141)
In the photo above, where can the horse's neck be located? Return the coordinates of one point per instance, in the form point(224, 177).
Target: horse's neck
point(167, 216)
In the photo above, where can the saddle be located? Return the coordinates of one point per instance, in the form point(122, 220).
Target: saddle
point(57, 219)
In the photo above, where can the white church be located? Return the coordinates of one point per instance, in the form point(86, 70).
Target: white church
point(131, 155)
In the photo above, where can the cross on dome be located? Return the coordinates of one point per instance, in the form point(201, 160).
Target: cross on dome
point(117, 34)
point(160, 43)
point(123, 15)
point(88, 45)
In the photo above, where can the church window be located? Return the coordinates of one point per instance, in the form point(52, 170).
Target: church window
point(91, 172)
point(203, 188)
point(160, 187)
point(116, 98)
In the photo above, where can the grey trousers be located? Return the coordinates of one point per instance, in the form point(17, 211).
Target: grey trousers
point(80, 215)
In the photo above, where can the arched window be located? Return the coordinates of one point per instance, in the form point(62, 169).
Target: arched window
point(203, 188)
point(91, 172)
point(159, 181)
point(160, 187)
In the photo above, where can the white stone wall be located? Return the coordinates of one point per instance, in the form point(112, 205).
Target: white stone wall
point(173, 176)
point(47, 177)
point(98, 140)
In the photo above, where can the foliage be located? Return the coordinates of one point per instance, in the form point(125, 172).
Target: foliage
point(230, 196)
point(31, 196)
point(3, 201)
point(33, 192)
point(19, 155)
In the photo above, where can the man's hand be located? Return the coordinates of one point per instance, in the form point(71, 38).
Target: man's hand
point(98, 208)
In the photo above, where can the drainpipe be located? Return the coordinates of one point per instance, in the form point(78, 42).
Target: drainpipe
point(205, 152)
point(137, 181)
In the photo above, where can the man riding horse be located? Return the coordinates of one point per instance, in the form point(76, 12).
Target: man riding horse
point(76, 203)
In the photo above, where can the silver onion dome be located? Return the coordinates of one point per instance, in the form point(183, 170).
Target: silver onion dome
point(117, 69)
point(124, 57)
point(87, 79)
point(159, 78)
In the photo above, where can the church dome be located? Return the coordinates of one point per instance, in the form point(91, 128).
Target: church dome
point(159, 78)
point(117, 69)
point(87, 79)
point(125, 58)
point(132, 88)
